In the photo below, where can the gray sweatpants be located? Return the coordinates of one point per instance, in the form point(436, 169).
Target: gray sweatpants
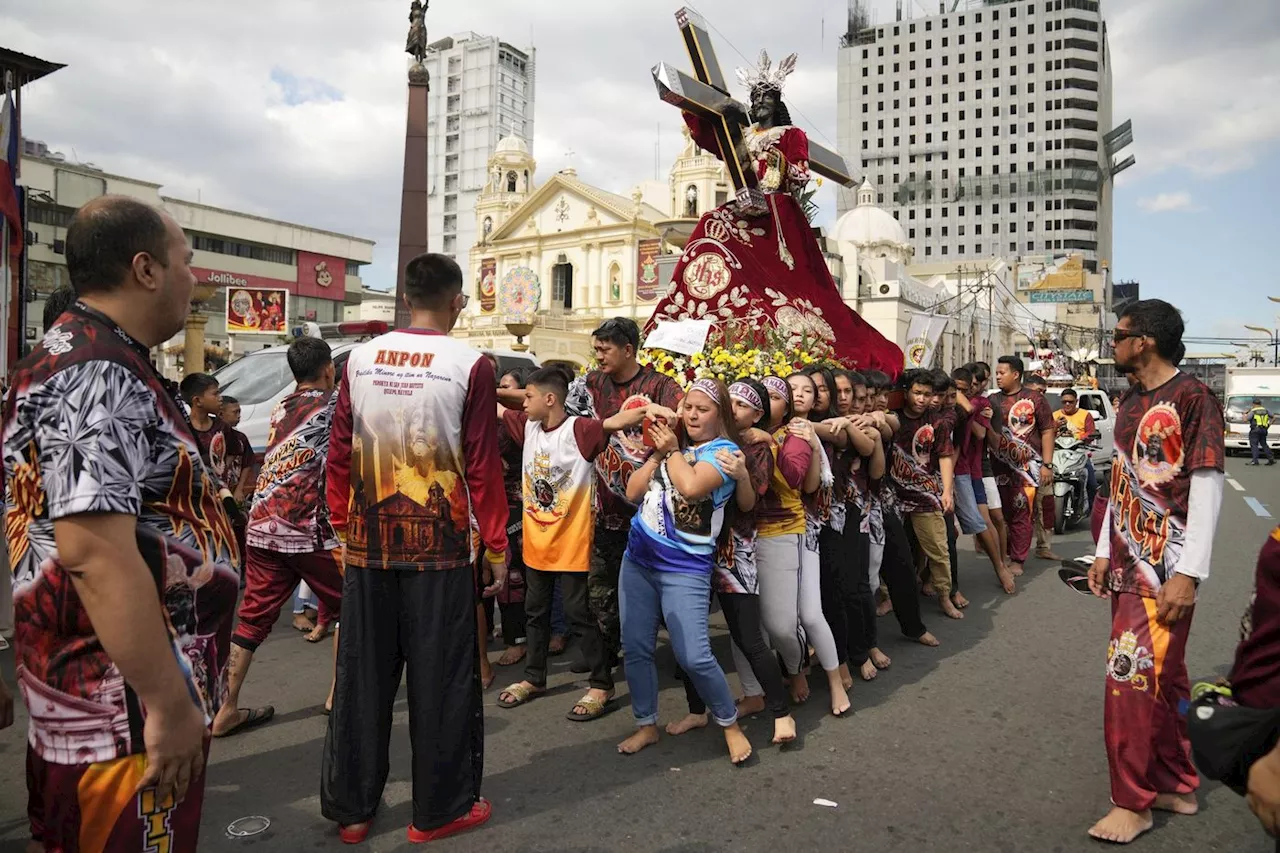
point(791, 600)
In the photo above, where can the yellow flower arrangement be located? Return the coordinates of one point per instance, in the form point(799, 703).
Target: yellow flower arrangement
point(740, 351)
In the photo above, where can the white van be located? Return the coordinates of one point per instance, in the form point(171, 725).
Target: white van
point(261, 379)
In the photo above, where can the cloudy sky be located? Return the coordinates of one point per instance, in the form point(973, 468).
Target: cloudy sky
point(295, 110)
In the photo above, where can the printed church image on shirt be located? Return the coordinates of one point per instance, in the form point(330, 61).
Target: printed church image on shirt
point(415, 514)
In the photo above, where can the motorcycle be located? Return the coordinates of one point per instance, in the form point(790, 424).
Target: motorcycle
point(1070, 481)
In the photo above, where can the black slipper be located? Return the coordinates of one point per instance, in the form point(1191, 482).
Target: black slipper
point(1074, 578)
point(254, 717)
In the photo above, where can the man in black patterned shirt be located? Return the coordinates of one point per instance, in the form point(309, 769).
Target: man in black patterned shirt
point(121, 550)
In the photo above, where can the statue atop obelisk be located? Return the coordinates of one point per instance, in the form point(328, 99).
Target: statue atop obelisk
point(415, 188)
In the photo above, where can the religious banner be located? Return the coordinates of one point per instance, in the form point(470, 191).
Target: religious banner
point(487, 285)
point(520, 294)
point(922, 339)
point(647, 280)
point(257, 311)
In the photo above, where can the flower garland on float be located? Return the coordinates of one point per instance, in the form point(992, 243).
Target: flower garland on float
point(739, 349)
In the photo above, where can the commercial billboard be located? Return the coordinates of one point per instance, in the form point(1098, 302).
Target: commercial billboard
point(257, 310)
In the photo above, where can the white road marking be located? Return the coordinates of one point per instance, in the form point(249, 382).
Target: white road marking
point(1257, 507)
point(1233, 484)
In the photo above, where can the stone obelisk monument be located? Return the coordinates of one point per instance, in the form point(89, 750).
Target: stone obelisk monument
point(414, 186)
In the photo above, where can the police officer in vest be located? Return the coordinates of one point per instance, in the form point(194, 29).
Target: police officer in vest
point(1259, 423)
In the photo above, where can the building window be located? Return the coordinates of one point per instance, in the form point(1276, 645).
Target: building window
point(562, 283)
point(253, 251)
point(353, 268)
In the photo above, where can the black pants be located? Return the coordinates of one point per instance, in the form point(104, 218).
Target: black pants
point(859, 597)
point(898, 570)
point(602, 586)
point(539, 587)
point(425, 623)
point(742, 615)
point(833, 568)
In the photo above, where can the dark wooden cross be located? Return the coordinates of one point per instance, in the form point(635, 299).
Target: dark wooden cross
point(708, 96)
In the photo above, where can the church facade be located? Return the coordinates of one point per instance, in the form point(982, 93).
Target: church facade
point(562, 255)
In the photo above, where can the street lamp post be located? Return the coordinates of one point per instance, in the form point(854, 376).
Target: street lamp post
point(1272, 336)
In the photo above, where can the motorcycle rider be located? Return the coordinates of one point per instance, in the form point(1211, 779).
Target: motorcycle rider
point(1078, 423)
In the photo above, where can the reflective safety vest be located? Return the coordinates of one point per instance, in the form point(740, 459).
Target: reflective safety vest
point(1259, 418)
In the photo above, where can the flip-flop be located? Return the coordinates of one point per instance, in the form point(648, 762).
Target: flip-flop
point(595, 709)
point(520, 693)
point(254, 717)
point(1075, 579)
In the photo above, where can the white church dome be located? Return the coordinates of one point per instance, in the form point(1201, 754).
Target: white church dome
point(511, 145)
point(868, 226)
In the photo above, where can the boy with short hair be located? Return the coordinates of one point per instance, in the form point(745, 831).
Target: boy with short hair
point(559, 485)
point(200, 392)
point(923, 469)
point(239, 454)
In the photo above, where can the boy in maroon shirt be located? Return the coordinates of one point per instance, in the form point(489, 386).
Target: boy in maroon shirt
point(923, 468)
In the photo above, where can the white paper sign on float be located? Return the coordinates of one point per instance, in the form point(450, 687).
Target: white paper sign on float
point(679, 336)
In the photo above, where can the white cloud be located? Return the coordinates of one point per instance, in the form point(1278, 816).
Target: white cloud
point(1168, 203)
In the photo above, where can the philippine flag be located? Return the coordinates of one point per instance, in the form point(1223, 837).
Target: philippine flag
point(9, 173)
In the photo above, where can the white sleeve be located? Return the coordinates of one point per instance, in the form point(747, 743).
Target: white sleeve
point(1202, 520)
point(1103, 549)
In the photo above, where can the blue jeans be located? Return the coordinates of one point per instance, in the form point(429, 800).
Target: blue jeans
point(971, 521)
point(645, 599)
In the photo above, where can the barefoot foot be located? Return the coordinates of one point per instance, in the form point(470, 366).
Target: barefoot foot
point(846, 678)
point(950, 609)
point(928, 591)
point(688, 724)
point(644, 736)
point(739, 746)
point(868, 671)
point(927, 639)
point(784, 729)
point(884, 608)
point(1015, 569)
point(749, 706)
point(1177, 803)
point(880, 659)
point(839, 698)
point(1007, 582)
point(799, 688)
point(1121, 826)
point(512, 655)
point(958, 599)
point(303, 623)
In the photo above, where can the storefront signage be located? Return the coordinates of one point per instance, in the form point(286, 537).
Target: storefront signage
point(1058, 296)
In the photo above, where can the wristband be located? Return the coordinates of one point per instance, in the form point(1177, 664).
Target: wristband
point(492, 556)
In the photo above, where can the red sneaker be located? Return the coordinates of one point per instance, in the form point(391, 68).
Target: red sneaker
point(480, 813)
point(355, 833)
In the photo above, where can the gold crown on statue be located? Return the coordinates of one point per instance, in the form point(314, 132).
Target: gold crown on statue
point(765, 76)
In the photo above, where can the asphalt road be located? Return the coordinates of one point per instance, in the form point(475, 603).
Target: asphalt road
point(992, 742)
